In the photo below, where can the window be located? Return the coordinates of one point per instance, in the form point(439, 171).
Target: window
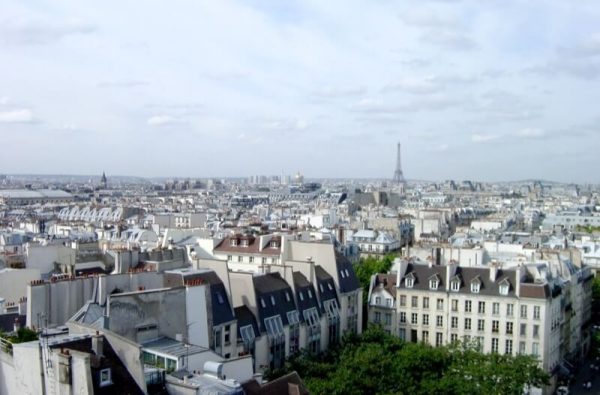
point(321, 287)
point(453, 338)
point(287, 296)
point(439, 321)
point(495, 326)
point(402, 317)
point(454, 322)
point(509, 310)
point(425, 336)
point(535, 349)
point(105, 377)
point(425, 302)
point(402, 300)
point(536, 331)
point(377, 300)
point(467, 306)
point(455, 285)
point(229, 258)
point(481, 308)
point(536, 312)
point(522, 348)
point(301, 295)
point(508, 346)
point(262, 303)
point(388, 302)
point(220, 298)
point(480, 325)
point(402, 333)
point(494, 344)
point(509, 328)
point(523, 331)
point(454, 304)
point(240, 259)
point(433, 284)
point(504, 289)
point(523, 311)
point(467, 324)
point(439, 337)
point(440, 304)
point(496, 308)
point(425, 319)
point(227, 333)
point(475, 287)
point(409, 282)
point(413, 318)
point(273, 300)
point(263, 260)
point(388, 318)
point(377, 317)
point(309, 294)
point(414, 302)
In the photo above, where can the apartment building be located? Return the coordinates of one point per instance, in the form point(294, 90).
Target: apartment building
point(541, 309)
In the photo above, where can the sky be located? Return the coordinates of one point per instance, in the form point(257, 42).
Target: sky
point(487, 90)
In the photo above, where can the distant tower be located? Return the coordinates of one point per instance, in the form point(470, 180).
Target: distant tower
point(104, 181)
point(398, 175)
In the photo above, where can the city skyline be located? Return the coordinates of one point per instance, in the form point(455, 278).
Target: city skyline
point(218, 89)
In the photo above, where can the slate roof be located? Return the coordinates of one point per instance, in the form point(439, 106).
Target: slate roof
point(253, 246)
point(325, 284)
point(302, 286)
point(244, 318)
point(271, 288)
point(7, 321)
point(388, 282)
point(346, 276)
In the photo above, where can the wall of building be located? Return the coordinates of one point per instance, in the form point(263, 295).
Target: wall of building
point(13, 283)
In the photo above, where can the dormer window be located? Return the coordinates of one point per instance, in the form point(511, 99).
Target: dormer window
point(274, 244)
point(233, 242)
point(409, 282)
point(272, 300)
point(244, 243)
point(504, 289)
point(475, 286)
point(455, 285)
point(433, 284)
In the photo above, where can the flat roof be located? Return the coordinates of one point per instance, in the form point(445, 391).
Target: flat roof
point(172, 347)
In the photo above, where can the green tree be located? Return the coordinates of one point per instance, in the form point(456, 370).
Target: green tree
point(366, 267)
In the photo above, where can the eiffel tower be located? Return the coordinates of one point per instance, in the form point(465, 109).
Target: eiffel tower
point(398, 175)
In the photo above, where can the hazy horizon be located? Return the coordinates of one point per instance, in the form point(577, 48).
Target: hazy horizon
point(485, 91)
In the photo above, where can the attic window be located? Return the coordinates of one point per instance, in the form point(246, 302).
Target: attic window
point(220, 298)
point(409, 282)
point(274, 244)
point(342, 274)
point(233, 242)
point(330, 286)
point(433, 284)
point(244, 243)
point(475, 286)
point(262, 303)
point(301, 296)
point(287, 296)
point(309, 294)
point(504, 289)
point(105, 377)
point(455, 285)
point(321, 287)
point(272, 300)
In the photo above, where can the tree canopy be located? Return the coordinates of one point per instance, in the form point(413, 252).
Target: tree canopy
point(366, 267)
point(378, 363)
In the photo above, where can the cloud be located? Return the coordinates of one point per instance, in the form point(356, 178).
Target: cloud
point(483, 138)
point(23, 115)
point(162, 120)
point(122, 84)
point(334, 92)
point(439, 148)
point(287, 125)
point(427, 103)
point(449, 40)
point(531, 133)
point(38, 32)
point(414, 85)
point(503, 105)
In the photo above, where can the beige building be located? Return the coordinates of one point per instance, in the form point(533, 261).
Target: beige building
point(540, 309)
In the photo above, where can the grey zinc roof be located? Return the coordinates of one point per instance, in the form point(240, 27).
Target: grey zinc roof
point(173, 347)
point(348, 281)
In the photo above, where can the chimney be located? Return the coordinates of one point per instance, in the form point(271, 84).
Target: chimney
point(493, 271)
point(98, 344)
point(16, 325)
